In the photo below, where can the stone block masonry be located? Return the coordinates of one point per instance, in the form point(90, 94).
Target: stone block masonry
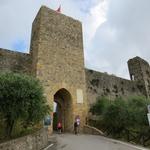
point(36, 141)
point(57, 54)
point(105, 85)
point(139, 71)
point(15, 61)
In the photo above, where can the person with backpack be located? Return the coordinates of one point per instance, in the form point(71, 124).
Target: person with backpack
point(75, 127)
point(77, 124)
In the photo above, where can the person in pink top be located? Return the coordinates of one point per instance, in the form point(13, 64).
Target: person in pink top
point(59, 127)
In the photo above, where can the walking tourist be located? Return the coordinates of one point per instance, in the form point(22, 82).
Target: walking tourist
point(59, 127)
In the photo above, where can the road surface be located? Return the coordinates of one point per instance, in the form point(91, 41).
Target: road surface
point(88, 142)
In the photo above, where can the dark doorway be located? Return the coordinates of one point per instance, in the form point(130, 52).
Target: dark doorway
point(63, 110)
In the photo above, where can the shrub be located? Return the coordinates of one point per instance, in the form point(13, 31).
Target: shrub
point(21, 99)
point(115, 117)
point(100, 106)
point(126, 119)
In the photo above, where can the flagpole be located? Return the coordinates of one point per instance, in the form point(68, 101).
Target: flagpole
point(59, 8)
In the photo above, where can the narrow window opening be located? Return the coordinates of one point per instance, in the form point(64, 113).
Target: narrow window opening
point(132, 77)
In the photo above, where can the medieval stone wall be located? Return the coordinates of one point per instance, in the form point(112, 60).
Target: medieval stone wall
point(104, 85)
point(36, 141)
point(15, 61)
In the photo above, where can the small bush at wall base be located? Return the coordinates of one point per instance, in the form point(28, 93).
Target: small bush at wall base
point(22, 104)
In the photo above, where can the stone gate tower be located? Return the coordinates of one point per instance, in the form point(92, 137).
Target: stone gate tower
point(58, 61)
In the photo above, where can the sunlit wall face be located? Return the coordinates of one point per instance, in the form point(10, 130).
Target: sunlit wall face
point(54, 107)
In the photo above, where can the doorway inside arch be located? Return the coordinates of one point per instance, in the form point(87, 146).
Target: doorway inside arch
point(63, 110)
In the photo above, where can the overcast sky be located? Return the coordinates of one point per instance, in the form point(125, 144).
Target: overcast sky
point(113, 30)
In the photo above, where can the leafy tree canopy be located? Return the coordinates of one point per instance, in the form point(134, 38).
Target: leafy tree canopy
point(124, 117)
point(21, 98)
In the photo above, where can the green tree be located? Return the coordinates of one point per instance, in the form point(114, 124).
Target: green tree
point(115, 117)
point(138, 122)
point(21, 98)
point(124, 118)
point(100, 106)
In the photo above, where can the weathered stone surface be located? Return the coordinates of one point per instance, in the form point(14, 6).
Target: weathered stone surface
point(140, 71)
point(57, 51)
point(104, 85)
point(36, 141)
point(15, 61)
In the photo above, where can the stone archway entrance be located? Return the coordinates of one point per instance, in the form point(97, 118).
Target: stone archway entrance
point(63, 110)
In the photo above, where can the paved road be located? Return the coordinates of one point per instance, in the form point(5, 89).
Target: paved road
point(89, 142)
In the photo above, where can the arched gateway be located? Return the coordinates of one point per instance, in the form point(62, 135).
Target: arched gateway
point(58, 62)
point(63, 112)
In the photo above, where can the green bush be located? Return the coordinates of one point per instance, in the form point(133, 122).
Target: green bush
point(21, 100)
point(125, 119)
point(100, 106)
point(115, 117)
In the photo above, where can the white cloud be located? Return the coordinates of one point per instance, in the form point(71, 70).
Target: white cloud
point(124, 35)
point(114, 30)
point(16, 20)
point(95, 17)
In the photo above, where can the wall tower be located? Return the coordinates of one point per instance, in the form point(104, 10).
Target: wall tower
point(139, 71)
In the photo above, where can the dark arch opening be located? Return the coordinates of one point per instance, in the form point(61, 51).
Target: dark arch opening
point(63, 110)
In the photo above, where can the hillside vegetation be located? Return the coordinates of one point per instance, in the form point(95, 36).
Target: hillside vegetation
point(124, 119)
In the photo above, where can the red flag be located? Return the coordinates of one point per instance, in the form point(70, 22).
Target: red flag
point(59, 9)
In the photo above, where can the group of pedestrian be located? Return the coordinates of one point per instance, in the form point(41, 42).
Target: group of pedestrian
point(76, 126)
